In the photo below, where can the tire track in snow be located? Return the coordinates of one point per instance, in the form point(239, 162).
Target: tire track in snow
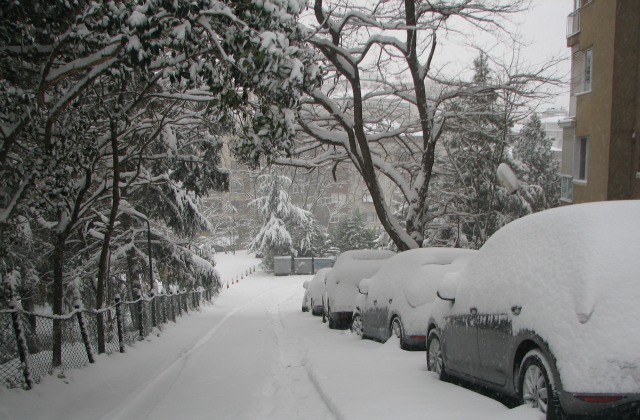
point(166, 375)
point(292, 393)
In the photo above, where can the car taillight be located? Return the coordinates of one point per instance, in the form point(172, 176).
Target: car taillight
point(599, 399)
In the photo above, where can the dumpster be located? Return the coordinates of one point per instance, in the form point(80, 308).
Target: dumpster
point(282, 266)
point(303, 265)
point(323, 263)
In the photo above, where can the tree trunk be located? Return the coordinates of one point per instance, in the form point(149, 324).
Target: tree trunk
point(58, 297)
point(103, 266)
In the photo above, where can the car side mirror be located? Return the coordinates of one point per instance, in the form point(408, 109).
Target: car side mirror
point(447, 289)
point(363, 287)
point(306, 284)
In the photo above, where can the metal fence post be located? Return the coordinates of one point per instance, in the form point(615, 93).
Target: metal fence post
point(186, 303)
point(119, 323)
point(163, 305)
point(154, 321)
point(21, 342)
point(83, 331)
point(172, 306)
point(140, 313)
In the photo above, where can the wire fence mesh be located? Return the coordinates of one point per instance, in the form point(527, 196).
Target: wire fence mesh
point(27, 340)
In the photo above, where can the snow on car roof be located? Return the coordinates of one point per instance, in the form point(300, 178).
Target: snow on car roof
point(419, 270)
point(362, 254)
point(357, 264)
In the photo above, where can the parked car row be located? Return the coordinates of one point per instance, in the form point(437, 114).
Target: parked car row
point(545, 311)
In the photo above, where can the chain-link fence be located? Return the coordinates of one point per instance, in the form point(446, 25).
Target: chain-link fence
point(27, 341)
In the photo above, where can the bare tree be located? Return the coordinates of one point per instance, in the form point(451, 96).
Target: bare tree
point(384, 104)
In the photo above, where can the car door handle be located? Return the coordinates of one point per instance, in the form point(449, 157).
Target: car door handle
point(474, 311)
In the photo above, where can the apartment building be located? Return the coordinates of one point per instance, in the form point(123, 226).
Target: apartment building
point(601, 135)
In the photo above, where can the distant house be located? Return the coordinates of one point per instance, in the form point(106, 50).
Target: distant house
point(600, 148)
point(550, 120)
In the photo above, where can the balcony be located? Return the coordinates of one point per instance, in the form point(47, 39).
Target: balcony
point(566, 188)
point(573, 23)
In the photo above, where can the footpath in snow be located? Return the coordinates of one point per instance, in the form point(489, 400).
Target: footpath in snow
point(253, 354)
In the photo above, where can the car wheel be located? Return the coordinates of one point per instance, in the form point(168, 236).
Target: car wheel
point(324, 311)
point(435, 360)
point(396, 330)
point(332, 322)
point(535, 385)
point(356, 326)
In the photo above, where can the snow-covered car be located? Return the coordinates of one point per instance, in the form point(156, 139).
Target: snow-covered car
point(398, 297)
point(547, 311)
point(314, 289)
point(341, 283)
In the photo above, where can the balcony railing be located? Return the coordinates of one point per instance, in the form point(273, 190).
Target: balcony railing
point(573, 23)
point(566, 187)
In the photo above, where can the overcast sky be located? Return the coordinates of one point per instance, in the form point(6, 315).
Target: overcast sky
point(545, 26)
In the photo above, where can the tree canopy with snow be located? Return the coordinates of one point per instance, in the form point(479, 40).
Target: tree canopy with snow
point(472, 199)
point(111, 128)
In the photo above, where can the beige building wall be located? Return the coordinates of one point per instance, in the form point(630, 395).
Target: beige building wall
point(607, 115)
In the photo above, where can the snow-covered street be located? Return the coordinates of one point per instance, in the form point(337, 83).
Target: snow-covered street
point(254, 354)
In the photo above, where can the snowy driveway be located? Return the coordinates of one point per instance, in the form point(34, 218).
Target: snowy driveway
point(254, 355)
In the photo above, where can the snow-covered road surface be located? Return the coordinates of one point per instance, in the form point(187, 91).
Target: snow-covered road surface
point(254, 355)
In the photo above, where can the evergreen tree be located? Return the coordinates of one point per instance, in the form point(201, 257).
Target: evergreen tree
point(280, 215)
point(472, 204)
point(351, 233)
point(536, 166)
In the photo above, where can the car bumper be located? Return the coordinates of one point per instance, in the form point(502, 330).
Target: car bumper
point(627, 407)
point(416, 342)
point(341, 319)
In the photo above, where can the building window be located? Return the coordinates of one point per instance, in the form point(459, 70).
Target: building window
point(366, 198)
point(581, 156)
point(371, 217)
point(338, 198)
point(582, 71)
point(588, 62)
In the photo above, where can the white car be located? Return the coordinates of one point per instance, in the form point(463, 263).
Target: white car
point(314, 290)
point(343, 280)
point(398, 298)
point(547, 311)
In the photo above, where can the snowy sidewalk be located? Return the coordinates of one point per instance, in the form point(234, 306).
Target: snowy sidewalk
point(253, 354)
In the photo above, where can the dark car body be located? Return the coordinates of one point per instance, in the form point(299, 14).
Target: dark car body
point(558, 289)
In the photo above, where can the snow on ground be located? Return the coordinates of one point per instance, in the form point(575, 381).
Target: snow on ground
point(254, 354)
